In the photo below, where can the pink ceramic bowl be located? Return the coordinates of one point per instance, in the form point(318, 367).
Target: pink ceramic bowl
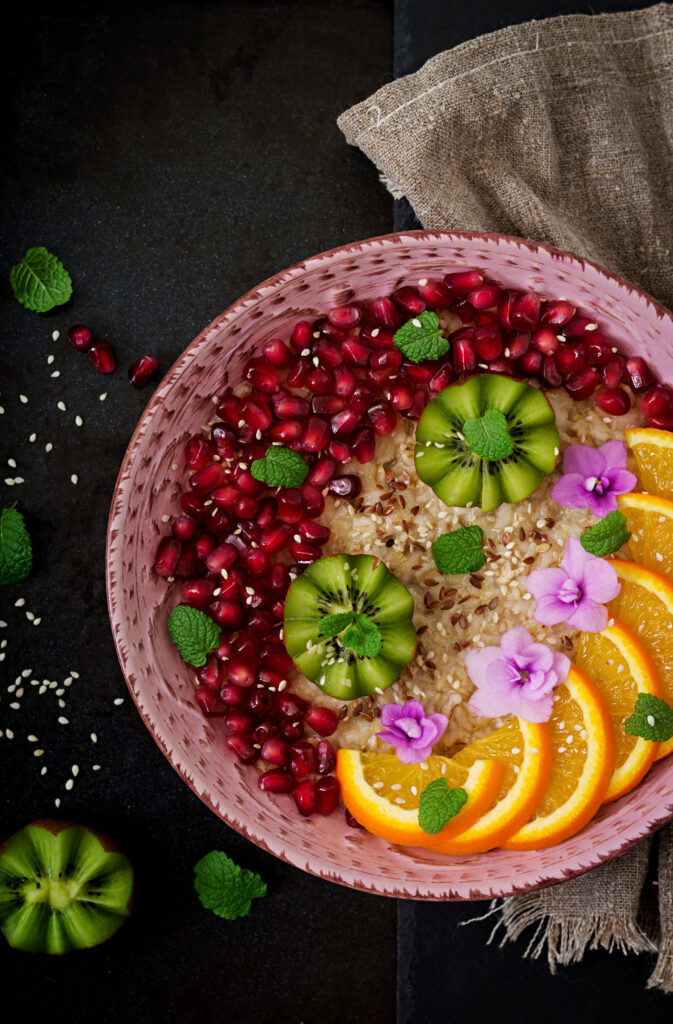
point(148, 488)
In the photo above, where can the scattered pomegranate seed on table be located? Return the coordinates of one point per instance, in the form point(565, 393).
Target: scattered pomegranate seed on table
point(102, 356)
point(142, 370)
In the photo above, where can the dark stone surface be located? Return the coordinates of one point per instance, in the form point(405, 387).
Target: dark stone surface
point(173, 155)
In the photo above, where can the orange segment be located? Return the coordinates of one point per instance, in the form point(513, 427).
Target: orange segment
point(650, 520)
point(384, 795)
point(653, 451)
point(645, 605)
point(583, 756)
point(621, 668)
point(526, 751)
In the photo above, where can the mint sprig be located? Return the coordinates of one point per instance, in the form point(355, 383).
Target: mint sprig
point(224, 887)
point(16, 550)
point(439, 804)
point(488, 436)
point(459, 551)
point(606, 536)
point(280, 467)
point(652, 719)
point(194, 634)
point(353, 630)
point(40, 281)
point(421, 338)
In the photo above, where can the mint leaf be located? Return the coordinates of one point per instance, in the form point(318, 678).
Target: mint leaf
point(281, 467)
point(224, 887)
point(438, 804)
point(652, 719)
point(40, 281)
point(194, 634)
point(16, 550)
point(488, 436)
point(332, 625)
point(363, 637)
point(459, 551)
point(421, 338)
point(606, 536)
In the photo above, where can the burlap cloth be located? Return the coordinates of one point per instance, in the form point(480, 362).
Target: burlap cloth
point(561, 131)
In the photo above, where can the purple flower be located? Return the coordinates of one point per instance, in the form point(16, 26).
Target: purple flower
point(410, 730)
point(577, 592)
point(593, 477)
point(515, 678)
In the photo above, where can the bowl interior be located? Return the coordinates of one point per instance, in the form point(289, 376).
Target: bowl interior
point(148, 488)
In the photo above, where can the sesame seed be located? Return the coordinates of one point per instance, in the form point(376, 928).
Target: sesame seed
point(75, 770)
point(117, 701)
point(55, 373)
point(57, 802)
point(36, 622)
point(48, 447)
point(38, 753)
point(15, 705)
point(69, 784)
point(650, 720)
point(12, 463)
point(74, 478)
point(103, 396)
point(30, 616)
point(95, 767)
point(63, 721)
point(22, 398)
point(9, 481)
point(31, 738)
point(61, 406)
point(55, 335)
point(50, 360)
point(78, 421)
point(43, 770)
point(32, 438)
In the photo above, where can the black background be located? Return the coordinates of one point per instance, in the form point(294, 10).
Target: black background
point(174, 155)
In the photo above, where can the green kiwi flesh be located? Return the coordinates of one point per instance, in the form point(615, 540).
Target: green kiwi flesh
point(62, 887)
point(459, 476)
point(340, 583)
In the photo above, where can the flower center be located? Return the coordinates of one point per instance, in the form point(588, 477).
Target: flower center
point(597, 484)
point(409, 726)
point(570, 592)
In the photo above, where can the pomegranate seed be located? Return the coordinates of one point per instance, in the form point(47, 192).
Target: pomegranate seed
point(614, 371)
point(245, 649)
point(275, 781)
point(208, 478)
point(344, 381)
point(613, 400)
point(246, 507)
point(316, 434)
point(276, 751)
point(343, 423)
point(275, 538)
point(355, 353)
point(556, 313)
point(347, 486)
point(377, 337)
point(290, 505)
point(167, 557)
point(274, 655)
point(664, 422)
point(350, 820)
point(278, 577)
point(102, 356)
point(464, 357)
point(290, 705)
point(363, 445)
point(303, 760)
point(186, 567)
point(485, 297)
point(487, 342)
point(243, 749)
point(185, 528)
point(313, 533)
point(228, 614)
point(204, 545)
point(385, 313)
point(505, 308)
point(312, 497)
point(516, 345)
point(277, 353)
point(322, 471)
point(210, 674)
point(327, 405)
point(326, 757)
point(229, 409)
point(198, 593)
point(640, 373)
point(80, 336)
point(599, 349)
point(530, 363)
point(286, 431)
point(578, 327)
point(327, 329)
point(247, 483)
point(302, 335)
point(304, 554)
point(240, 672)
point(545, 341)
point(257, 561)
point(210, 702)
point(262, 375)
point(221, 557)
point(525, 312)
point(382, 418)
point(361, 398)
point(566, 361)
point(239, 721)
point(463, 281)
point(320, 381)
point(327, 795)
point(408, 300)
point(434, 294)
point(225, 496)
point(298, 372)
point(501, 366)
point(329, 353)
point(550, 374)
point(401, 395)
point(198, 452)
point(266, 730)
point(321, 720)
point(305, 797)
point(583, 385)
point(292, 731)
point(143, 370)
point(267, 513)
point(657, 401)
point(421, 399)
point(233, 695)
point(224, 440)
point(194, 506)
point(345, 316)
point(389, 359)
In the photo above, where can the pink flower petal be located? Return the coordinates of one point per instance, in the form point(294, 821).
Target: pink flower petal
point(589, 616)
point(545, 581)
point(549, 611)
point(601, 582)
point(407, 755)
point(584, 460)
point(570, 491)
point(614, 454)
point(533, 710)
point(478, 661)
point(621, 481)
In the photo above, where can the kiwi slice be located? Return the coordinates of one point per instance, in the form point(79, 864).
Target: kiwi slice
point(348, 625)
point(488, 441)
point(62, 887)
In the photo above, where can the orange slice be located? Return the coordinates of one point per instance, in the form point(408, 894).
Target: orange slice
point(384, 795)
point(650, 520)
point(526, 751)
point(583, 746)
point(621, 668)
point(653, 451)
point(645, 605)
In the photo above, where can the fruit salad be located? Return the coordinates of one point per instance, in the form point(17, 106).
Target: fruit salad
point(421, 566)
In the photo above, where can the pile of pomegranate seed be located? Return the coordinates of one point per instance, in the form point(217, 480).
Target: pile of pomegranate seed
point(102, 355)
point(328, 391)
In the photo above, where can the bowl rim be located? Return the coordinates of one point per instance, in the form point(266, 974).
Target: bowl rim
point(463, 891)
